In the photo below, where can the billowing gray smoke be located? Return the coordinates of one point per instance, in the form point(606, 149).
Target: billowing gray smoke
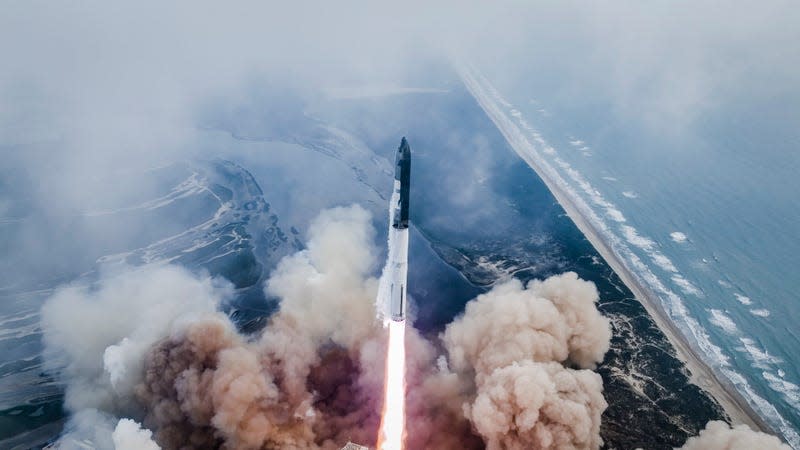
point(513, 372)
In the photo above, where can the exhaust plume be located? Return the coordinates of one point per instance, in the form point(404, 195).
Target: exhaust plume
point(90, 428)
point(302, 383)
point(538, 405)
point(551, 320)
point(128, 435)
point(719, 435)
point(511, 344)
point(313, 378)
point(96, 336)
point(88, 425)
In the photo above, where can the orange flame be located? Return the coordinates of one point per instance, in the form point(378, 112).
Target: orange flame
point(390, 436)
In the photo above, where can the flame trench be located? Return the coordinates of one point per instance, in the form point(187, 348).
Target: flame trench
point(390, 436)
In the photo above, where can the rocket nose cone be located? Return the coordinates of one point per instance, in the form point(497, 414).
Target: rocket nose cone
point(404, 148)
point(403, 153)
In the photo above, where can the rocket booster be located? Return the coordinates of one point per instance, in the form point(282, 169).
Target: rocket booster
point(398, 218)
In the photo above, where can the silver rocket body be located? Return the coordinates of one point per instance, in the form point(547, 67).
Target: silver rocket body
point(398, 234)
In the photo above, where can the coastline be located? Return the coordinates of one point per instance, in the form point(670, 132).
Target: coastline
point(734, 405)
point(701, 374)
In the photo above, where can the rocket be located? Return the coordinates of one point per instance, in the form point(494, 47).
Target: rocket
point(398, 233)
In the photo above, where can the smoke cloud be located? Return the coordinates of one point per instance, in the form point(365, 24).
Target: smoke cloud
point(539, 405)
point(720, 436)
point(88, 425)
point(554, 320)
point(149, 346)
point(97, 335)
point(90, 428)
point(514, 341)
point(129, 435)
point(311, 380)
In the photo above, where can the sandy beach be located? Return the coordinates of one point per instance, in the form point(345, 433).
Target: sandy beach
point(702, 375)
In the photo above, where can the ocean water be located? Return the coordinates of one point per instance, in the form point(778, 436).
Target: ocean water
point(707, 219)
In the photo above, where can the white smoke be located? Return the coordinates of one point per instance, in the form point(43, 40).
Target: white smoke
point(96, 336)
point(88, 428)
point(128, 435)
point(720, 436)
point(326, 285)
point(97, 430)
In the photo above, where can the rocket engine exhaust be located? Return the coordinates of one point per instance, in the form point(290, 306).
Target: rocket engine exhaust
point(395, 274)
point(393, 417)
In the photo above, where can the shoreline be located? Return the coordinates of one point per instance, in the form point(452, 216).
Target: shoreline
point(732, 402)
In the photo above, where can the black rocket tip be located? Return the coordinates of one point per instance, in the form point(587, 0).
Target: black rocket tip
point(403, 142)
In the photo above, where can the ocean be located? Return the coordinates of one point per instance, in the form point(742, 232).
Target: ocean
point(707, 220)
